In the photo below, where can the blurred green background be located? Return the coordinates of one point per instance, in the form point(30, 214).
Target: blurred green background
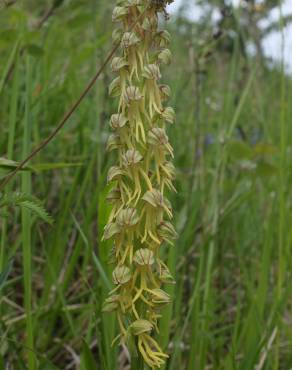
point(232, 141)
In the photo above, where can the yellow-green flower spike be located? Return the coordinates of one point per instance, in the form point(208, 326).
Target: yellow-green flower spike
point(140, 220)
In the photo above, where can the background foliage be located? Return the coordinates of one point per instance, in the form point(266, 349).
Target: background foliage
point(232, 261)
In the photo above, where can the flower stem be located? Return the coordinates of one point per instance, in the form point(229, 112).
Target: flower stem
point(138, 363)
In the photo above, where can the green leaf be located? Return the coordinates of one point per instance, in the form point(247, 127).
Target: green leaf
point(101, 271)
point(35, 50)
point(38, 210)
point(239, 150)
point(265, 169)
point(8, 35)
point(57, 3)
point(11, 165)
point(54, 166)
point(265, 149)
point(8, 64)
point(89, 361)
point(80, 20)
point(2, 363)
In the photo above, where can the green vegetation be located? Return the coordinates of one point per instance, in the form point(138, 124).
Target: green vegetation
point(232, 139)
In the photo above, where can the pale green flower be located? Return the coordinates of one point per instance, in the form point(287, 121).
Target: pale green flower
point(140, 220)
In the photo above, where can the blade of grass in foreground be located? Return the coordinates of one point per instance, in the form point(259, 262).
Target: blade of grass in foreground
point(8, 65)
point(282, 184)
point(26, 225)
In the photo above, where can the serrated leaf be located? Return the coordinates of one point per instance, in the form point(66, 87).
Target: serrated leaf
point(38, 210)
point(28, 202)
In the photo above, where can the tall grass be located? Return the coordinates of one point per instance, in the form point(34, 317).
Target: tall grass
point(232, 260)
point(26, 221)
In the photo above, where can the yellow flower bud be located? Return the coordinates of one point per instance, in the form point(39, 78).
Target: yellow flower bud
point(129, 39)
point(132, 94)
point(118, 121)
point(168, 114)
point(121, 275)
point(159, 296)
point(131, 157)
point(114, 173)
point(115, 87)
point(165, 56)
point(152, 72)
point(157, 137)
point(113, 142)
point(118, 63)
point(144, 257)
point(119, 13)
point(141, 326)
point(127, 218)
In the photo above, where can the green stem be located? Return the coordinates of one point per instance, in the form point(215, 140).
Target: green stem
point(137, 362)
point(26, 227)
point(282, 185)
